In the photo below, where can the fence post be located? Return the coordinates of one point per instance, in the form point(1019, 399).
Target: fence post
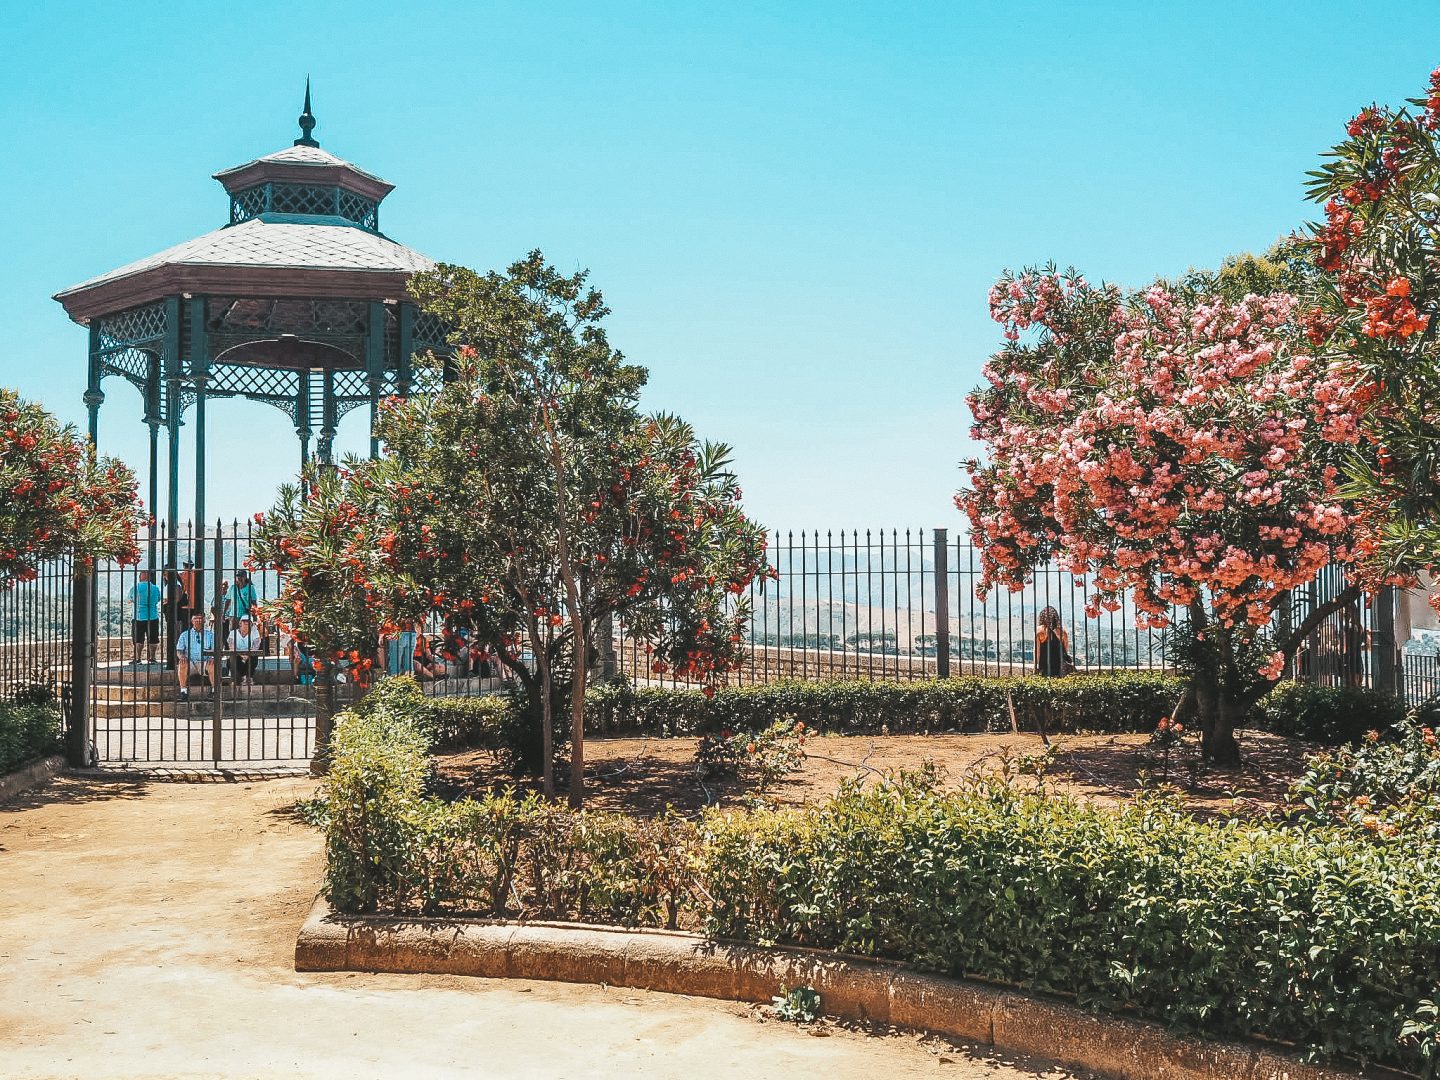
point(942, 604)
point(82, 660)
point(217, 688)
point(1383, 652)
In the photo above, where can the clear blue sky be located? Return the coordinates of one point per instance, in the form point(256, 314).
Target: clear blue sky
point(794, 210)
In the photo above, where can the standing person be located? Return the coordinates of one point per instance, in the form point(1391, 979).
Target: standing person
point(243, 601)
point(244, 642)
point(195, 648)
point(177, 613)
point(144, 597)
point(1052, 646)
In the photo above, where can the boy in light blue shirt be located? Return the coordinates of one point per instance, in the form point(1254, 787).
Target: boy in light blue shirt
point(144, 598)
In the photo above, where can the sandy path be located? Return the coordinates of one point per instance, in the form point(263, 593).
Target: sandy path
point(148, 931)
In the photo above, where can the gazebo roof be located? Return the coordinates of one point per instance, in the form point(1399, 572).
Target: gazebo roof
point(288, 254)
point(304, 223)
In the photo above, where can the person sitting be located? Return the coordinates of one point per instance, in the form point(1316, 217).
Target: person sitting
point(302, 666)
point(195, 649)
point(245, 643)
point(426, 664)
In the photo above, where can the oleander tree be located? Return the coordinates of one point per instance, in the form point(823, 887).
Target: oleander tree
point(1375, 315)
point(1179, 445)
point(59, 497)
point(531, 500)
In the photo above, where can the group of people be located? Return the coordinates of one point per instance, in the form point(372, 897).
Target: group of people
point(190, 640)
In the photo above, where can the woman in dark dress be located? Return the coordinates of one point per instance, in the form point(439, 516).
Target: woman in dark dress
point(1052, 646)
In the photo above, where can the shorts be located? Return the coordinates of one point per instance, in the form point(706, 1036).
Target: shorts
point(245, 665)
point(145, 631)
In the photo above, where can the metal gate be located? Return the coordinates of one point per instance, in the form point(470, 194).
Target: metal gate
point(250, 704)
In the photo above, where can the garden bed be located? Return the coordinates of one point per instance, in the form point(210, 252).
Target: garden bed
point(645, 775)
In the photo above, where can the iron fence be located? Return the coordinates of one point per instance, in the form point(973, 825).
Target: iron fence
point(243, 694)
point(892, 604)
point(35, 633)
point(880, 604)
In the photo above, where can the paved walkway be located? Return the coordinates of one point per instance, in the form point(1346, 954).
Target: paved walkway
point(148, 930)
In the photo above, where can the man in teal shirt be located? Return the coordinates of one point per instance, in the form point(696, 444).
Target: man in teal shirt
point(144, 598)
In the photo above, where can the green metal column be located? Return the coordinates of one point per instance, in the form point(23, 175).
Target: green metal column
point(174, 403)
point(407, 349)
point(94, 396)
point(375, 367)
point(302, 420)
point(154, 381)
point(329, 419)
point(200, 375)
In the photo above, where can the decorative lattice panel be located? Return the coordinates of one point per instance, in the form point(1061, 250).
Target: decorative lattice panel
point(359, 209)
point(132, 365)
point(302, 199)
point(273, 386)
point(431, 332)
point(247, 204)
point(138, 326)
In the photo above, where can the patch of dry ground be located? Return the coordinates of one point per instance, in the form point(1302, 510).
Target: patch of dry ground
point(644, 775)
point(149, 931)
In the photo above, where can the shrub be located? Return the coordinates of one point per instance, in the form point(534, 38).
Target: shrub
point(30, 726)
point(1385, 787)
point(1313, 934)
point(1331, 716)
point(1309, 936)
point(764, 755)
point(1125, 701)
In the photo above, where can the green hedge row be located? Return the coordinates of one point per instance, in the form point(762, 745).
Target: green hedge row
point(1123, 702)
point(1316, 936)
point(27, 731)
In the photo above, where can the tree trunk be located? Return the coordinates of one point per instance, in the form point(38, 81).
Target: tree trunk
point(324, 719)
point(577, 720)
point(1218, 714)
point(547, 731)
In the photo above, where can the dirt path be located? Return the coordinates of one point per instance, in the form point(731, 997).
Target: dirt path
point(149, 931)
point(645, 775)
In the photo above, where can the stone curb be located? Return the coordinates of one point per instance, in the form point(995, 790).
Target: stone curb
point(189, 776)
point(32, 775)
point(850, 987)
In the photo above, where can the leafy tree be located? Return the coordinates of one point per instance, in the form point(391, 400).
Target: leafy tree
point(530, 500)
point(1378, 251)
point(1176, 446)
point(58, 496)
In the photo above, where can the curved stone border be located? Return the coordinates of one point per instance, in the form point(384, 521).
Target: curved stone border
point(850, 987)
point(32, 775)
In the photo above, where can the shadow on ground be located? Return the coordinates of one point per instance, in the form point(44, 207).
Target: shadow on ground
point(76, 789)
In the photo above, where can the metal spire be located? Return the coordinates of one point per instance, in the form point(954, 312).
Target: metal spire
point(307, 120)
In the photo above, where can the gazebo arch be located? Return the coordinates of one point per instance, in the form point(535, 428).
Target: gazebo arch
point(299, 302)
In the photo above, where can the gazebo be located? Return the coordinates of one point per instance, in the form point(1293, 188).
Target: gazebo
point(299, 301)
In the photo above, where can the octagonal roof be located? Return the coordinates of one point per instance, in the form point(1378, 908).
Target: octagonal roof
point(267, 251)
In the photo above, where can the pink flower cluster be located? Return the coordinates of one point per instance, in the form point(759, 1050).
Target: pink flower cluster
point(1170, 448)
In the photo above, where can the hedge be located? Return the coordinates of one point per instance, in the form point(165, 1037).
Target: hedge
point(28, 730)
point(1311, 935)
point(1118, 703)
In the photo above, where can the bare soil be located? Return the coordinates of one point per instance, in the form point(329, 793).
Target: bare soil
point(148, 930)
point(643, 776)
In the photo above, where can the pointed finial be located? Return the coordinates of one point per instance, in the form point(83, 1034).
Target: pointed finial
point(307, 120)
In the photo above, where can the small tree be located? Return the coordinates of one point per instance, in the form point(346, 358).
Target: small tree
point(532, 501)
point(1179, 448)
point(57, 496)
point(1376, 317)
